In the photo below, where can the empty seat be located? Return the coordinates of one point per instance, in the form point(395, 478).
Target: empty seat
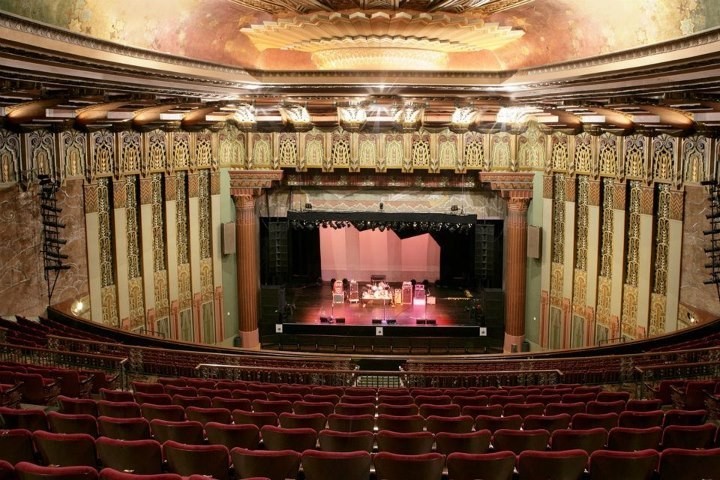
point(205, 415)
point(468, 400)
point(355, 399)
point(76, 406)
point(646, 419)
point(505, 399)
point(260, 419)
point(203, 402)
point(229, 403)
point(29, 471)
point(561, 465)
point(321, 398)
point(488, 466)
point(397, 410)
point(584, 421)
point(428, 410)
point(302, 407)
point(16, 446)
point(207, 460)
point(66, 449)
point(291, 397)
point(612, 396)
point(275, 465)
point(244, 436)
point(172, 413)
point(459, 424)
point(113, 474)
point(173, 390)
point(107, 408)
point(275, 406)
point(550, 423)
point(616, 406)
point(588, 440)
point(689, 436)
point(400, 423)
point(687, 464)
point(393, 466)
point(684, 417)
point(138, 456)
point(37, 390)
point(487, 410)
point(316, 421)
point(407, 443)
point(421, 400)
point(27, 419)
point(116, 395)
point(278, 438)
point(324, 465)
point(148, 387)
point(611, 465)
point(7, 471)
point(351, 423)
point(396, 399)
point(334, 441)
point(518, 441)
point(569, 408)
point(124, 428)
point(72, 423)
point(643, 405)
point(186, 431)
point(472, 442)
point(485, 422)
point(631, 439)
point(357, 408)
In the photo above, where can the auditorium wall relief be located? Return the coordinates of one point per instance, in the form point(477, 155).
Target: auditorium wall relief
point(621, 231)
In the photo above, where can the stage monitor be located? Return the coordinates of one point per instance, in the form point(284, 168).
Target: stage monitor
point(377, 321)
point(391, 321)
point(340, 320)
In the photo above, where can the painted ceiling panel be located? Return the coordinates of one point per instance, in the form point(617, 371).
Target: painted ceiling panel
point(220, 31)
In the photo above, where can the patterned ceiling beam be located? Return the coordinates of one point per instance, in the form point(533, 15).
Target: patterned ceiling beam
point(509, 184)
point(249, 182)
point(379, 180)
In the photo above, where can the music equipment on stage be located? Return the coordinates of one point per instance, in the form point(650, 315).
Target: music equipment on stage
point(407, 293)
point(338, 292)
point(354, 295)
point(419, 298)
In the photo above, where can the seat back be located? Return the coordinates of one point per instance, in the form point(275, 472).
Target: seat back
point(334, 441)
point(74, 406)
point(323, 465)
point(588, 440)
point(494, 466)
point(351, 423)
point(124, 428)
point(208, 460)
point(400, 423)
point(610, 465)
point(66, 449)
point(29, 471)
point(686, 464)
point(393, 466)
point(143, 457)
point(172, 413)
point(187, 431)
point(27, 419)
point(406, 443)
point(562, 465)
point(273, 464)
point(243, 435)
point(458, 424)
point(16, 445)
point(518, 441)
point(689, 436)
point(316, 421)
point(298, 439)
point(631, 439)
point(473, 442)
point(107, 408)
point(205, 415)
point(72, 423)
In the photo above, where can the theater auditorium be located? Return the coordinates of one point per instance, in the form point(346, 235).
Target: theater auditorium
point(359, 239)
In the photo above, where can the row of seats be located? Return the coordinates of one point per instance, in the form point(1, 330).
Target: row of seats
point(216, 461)
point(538, 430)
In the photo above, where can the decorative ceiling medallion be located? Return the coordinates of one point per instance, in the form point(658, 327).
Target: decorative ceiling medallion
point(381, 40)
point(279, 7)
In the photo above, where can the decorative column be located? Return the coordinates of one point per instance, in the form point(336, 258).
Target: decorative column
point(517, 189)
point(245, 187)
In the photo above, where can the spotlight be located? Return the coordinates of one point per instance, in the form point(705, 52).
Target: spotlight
point(454, 208)
point(382, 228)
point(381, 206)
point(308, 206)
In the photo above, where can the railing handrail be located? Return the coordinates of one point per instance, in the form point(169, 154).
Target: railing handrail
point(119, 359)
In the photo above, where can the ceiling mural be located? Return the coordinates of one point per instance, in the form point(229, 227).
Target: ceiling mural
point(433, 35)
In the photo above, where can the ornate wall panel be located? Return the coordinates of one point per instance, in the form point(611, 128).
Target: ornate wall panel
point(9, 156)
point(130, 151)
point(664, 158)
point(73, 153)
point(233, 151)
point(581, 222)
point(632, 253)
point(102, 150)
point(157, 151)
point(531, 148)
point(447, 151)
point(288, 151)
point(367, 150)
point(474, 152)
point(608, 155)
point(606, 240)
point(696, 159)
point(262, 152)
point(394, 153)
point(181, 158)
point(583, 153)
point(315, 152)
point(204, 157)
point(340, 153)
point(635, 157)
point(501, 155)
point(558, 215)
point(41, 158)
point(560, 156)
point(183, 228)
point(421, 157)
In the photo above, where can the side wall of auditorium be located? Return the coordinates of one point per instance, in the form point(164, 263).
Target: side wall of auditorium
point(621, 219)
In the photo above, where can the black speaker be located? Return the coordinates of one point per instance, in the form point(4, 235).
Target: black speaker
point(377, 321)
point(391, 321)
point(340, 320)
point(431, 321)
point(420, 321)
point(324, 320)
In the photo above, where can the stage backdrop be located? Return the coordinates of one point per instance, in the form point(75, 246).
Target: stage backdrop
point(349, 253)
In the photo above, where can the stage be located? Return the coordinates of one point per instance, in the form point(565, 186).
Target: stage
point(453, 321)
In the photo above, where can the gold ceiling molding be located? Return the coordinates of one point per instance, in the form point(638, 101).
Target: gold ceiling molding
point(279, 7)
point(380, 40)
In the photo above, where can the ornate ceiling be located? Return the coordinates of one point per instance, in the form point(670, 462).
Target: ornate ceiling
point(362, 64)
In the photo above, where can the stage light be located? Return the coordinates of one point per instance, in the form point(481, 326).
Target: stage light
point(382, 228)
point(308, 206)
point(381, 206)
point(454, 208)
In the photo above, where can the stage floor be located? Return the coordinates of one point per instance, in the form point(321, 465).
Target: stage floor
point(311, 303)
